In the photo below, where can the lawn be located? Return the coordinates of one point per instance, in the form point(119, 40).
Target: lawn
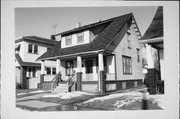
point(28, 92)
point(123, 101)
point(67, 98)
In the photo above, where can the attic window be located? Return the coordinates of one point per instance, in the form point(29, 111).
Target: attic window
point(129, 39)
point(32, 49)
point(80, 38)
point(68, 40)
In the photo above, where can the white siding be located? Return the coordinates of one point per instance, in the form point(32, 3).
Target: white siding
point(30, 57)
point(122, 49)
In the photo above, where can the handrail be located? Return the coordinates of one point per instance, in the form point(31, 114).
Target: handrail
point(70, 81)
point(56, 80)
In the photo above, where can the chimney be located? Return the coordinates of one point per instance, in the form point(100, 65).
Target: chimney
point(78, 25)
point(53, 37)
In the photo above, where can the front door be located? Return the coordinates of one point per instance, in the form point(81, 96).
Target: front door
point(69, 67)
point(89, 66)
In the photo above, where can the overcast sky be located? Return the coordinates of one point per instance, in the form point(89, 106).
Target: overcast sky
point(39, 21)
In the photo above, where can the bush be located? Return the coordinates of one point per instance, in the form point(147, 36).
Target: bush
point(18, 85)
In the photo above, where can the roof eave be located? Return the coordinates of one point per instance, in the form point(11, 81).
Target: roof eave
point(152, 40)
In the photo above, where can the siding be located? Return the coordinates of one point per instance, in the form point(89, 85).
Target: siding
point(122, 49)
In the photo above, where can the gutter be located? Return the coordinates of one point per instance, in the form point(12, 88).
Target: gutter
point(153, 40)
point(71, 55)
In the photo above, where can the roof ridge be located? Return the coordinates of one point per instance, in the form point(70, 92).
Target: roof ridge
point(93, 24)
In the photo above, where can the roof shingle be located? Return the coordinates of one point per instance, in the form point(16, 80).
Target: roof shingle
point(156, 27)
point(99, 43)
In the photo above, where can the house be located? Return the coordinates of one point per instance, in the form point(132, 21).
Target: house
point(100, 57)
point(153, 41)
point(27, 69)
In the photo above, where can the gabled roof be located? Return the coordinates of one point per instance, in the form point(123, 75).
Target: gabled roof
point(99, 43)
point(37, 39)
point(156, 27)
point(18, 58)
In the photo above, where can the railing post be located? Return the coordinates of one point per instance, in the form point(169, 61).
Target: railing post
point(42, 74)
point(102, 77)
point(79, 73)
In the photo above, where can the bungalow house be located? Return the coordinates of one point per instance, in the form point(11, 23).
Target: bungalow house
point(27, 69)
point(153, 41)
point(100, 57)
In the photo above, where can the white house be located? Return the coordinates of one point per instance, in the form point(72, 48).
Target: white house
point(27, 50)
point(153, 41)
point(99, 57)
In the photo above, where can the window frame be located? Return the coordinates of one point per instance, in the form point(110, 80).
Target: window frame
point(129, 40)
point(78, 35)
point(138, 54)
point(31, 48)
point(67, 38)
point(127, 65)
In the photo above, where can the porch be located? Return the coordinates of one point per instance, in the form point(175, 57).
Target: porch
point(86, 72)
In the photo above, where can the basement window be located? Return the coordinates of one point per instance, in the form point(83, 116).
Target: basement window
point(123, 85)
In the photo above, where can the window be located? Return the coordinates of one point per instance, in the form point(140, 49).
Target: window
point(138, 55)
point(129, 39)
point(80, 38)
point(127, 65)
point(50, 70)
point(135, 84)
point(123, 85)
point(53, 71)
point(31, 72)
point(35, 49)
point(68, 40)
point(32, 48)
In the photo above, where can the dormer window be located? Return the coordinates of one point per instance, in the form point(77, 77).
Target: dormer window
point(80, 38)
point(32, 49)
point(68, 40)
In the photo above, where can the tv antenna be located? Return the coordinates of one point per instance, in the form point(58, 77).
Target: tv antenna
point(54, 28)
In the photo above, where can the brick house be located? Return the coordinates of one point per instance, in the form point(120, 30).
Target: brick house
point(27, 69)
point(100, 57)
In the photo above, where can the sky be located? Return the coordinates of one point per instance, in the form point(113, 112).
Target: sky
point(40, 21)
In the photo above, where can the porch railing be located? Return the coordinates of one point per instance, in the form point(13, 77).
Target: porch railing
point(90, 77)
point(56, 80)
point(70, 81)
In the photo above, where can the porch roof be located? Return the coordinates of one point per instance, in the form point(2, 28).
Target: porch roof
point(100, 43)
point(18, 58)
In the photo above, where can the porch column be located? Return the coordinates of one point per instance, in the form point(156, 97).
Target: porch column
point(58, 66)
point(79, 73)
point(42, 74)
point(94, 69)
point(150, 60)
point(101, 81)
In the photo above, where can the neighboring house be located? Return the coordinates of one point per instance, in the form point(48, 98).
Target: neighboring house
point(27, 50)
point(153, 41)
point(104, 56)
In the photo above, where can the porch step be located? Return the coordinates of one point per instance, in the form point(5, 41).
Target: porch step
point(61, 88)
